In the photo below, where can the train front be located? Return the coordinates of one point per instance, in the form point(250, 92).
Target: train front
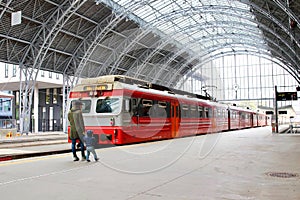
point(103, 110)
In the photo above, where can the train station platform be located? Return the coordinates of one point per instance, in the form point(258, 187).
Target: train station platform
point(46, 143)
point(239, 165)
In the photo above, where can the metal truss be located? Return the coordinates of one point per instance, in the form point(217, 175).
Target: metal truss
point(81, 38)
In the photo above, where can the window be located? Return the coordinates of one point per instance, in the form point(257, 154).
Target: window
point(206, 112)
point(185, 111)
point(6, 70)
point(14, 70)
point(200, 110)
point(194, 111)
point(47, 96)
point(1, 105)
point(160, 109)
point(86, 105)
point(233, 114)
point(55, 96)
point(162, 104)
point(108, 105)
point(219, 113)
point(144, 107)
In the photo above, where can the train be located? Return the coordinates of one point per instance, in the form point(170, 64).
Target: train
point(123, 110)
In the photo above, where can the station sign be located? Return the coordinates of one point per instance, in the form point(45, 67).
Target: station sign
point(286, 96)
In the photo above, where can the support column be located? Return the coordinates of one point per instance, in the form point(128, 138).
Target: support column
point(36, 108)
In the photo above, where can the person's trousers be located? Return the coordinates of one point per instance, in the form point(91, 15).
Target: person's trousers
point(74, 148)
point(89, 150)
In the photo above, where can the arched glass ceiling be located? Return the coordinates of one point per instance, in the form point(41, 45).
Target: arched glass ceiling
point(198, 26)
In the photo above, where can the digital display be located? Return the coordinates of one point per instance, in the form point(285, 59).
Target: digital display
point(88, 88)
point(286, 96)
point(95, 87)
point(101, 87)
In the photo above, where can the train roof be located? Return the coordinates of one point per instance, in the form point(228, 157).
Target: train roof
point(140, 83)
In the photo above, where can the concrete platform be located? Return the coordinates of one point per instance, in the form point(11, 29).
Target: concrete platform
point(246, 164)
point(33, 145)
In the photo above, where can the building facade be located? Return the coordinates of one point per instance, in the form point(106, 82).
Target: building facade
point(46, 114)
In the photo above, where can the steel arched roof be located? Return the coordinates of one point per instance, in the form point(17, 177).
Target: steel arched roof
point(157, 40)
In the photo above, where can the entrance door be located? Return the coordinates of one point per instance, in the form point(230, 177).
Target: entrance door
point(175, 119)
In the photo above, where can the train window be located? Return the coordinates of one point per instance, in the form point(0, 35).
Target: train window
point(225, 113)
point(219, 113)
point(193, 111)
point(242, 115)
point(144, 107)
point(108, 105)
point(134, 102)
point(185, 111)
point(193, 108)
point(134, 106)
point(206, 113)
point(147, 102)
point(233, 115)
point(158, 110)
point(86, 106)
point(200, 110)
point(185, 107)
point(210, 113)
point(247, 116)
point(162, 104)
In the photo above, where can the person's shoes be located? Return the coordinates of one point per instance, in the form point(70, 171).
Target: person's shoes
point(88, 160)
point(76, 159)
point(83, 158)
point(96, 159)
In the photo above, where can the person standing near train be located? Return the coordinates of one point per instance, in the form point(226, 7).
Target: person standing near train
point(77, 128)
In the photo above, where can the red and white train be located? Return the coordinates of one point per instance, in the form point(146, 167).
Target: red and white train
point(123, 110)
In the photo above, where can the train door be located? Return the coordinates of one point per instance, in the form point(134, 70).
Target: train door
point(229, 119)
point(252, 120)
point(174, 119)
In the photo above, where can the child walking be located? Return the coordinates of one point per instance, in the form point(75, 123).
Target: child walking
point(90, 142)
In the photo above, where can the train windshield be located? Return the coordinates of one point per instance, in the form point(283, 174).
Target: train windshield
point(86, 105)
point(108, 105)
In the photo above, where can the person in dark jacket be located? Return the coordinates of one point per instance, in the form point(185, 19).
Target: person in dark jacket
point(90, 142)
point(77, 128)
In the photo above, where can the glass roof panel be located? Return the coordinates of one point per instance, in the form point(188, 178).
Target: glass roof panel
point(191, 21)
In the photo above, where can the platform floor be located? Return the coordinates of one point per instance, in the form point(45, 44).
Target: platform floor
point(246, 164)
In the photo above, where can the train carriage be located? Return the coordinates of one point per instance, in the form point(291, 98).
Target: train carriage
point(122, 110)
